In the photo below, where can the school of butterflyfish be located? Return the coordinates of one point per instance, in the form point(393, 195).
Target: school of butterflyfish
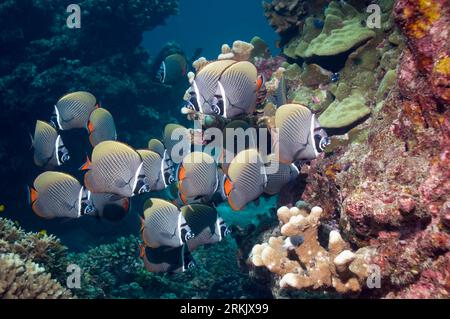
point(225, 94)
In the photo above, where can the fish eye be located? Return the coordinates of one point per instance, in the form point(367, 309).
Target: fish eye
point(191, 264)
point(216, 109)
point(225, 231)
point(65, 158)
point(144, 189)
point(321, 142)
point(192, 103)
point(189, 236)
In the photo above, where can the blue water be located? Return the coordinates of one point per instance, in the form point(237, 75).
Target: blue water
point(208, 24)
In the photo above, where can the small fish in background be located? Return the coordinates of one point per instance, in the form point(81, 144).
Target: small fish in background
point(197, 177)
point(49, 149)
point(246, 179)
point(2, 208)
point(237, 90)
point(110, 207)
point(167, 259)
point(42, 233)
point(101, 127)
point(115, 168)
point(206, 223)
point(300, 136)
point(291, 243)
point(173, 69)
point(335, 77)
point(73, 110)
point(59, 195)
point(278, 175)
point(164, 225)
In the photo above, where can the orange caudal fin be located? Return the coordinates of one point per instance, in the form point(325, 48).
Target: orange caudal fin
point(32, 195)
point(227, 186)
point(259, 82)
point(181, 173)
point(90, 127)
point(141, 251)
point(86, 165)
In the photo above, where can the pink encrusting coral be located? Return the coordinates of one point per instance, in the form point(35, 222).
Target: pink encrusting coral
point(393, 189)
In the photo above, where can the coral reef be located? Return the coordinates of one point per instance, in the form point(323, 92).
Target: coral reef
point(38, 248)
point(391, 189)
point(383, 183)
point(309, 265)
point(285, 15)
point(342, 63)
point(21, 279)
point(28, 261)
point(116, 271)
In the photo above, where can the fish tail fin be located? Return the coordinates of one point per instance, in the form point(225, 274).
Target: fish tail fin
point(86, 166)
point(141, 250)
point(32, 195)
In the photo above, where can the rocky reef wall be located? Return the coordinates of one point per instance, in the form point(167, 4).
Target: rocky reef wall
point(384, 182)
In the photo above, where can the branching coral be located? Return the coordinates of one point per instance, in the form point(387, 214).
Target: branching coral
point(309, 265)
point(42, 249)
point(21, 279)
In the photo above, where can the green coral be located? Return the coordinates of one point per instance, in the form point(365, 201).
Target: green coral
point(346, 112)
point(116, 271)
point(342, 31)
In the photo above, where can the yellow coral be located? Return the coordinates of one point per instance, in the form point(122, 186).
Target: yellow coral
point(443, 66)
point(429, 12)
